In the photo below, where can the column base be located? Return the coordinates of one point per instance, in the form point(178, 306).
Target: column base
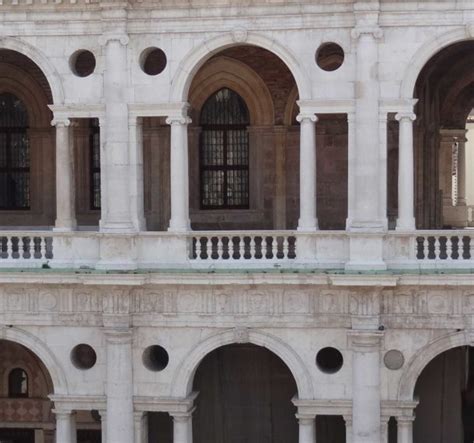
point(117, 227)
point(308, 225)
point(405, 224)
point(60, 226)
point(179, 227)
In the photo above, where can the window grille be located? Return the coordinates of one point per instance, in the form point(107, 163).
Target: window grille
point(224, 152)
point(94, 149)
point(14, 154)
point(17, 383)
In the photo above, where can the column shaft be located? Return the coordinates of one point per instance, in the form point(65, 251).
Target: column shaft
point(65, 186)
point(307, 429)
point(182, 428)
point(137, 198)
point(461, 171)
point(179, 174)
point(405, 429)
point(308, 220)
point(365, 387)
point(348, 421)
point(406, 186)
point(351, 178)
point(117, 214)
point(65, 427)
point(119, 391)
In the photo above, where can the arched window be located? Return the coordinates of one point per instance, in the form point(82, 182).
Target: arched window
point(14, 154)
point(17, 383)
point(224, 152)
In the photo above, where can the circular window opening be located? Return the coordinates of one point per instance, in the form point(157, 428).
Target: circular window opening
point(83, 63)
point(329, 360)
point(153, 61)
point(330, 56)
point(155, 358)
point(83, 356)
point(394, 359)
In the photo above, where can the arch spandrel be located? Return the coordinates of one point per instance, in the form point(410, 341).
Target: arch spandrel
point(39, 348)
point(36, 56)
point(181, 385)
point(195, 58)
point(424, 356)
point(427, 51)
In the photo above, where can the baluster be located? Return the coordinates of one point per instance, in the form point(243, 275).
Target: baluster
point(264, 247)
point(220, 248)
point(42, 242)
point(449, 248)
point(286, 247)
point(241, 247)
point(437, 248)
point(29, 251)
point(426, 248)
point(198, 248)
point(9, 247)
point(471, 248)
point(252, 247)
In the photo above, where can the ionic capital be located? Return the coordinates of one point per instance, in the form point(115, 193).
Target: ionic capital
point(118, 336)
point(105, 39)
point(61, 122)
point(178, 120)
point(374, 31)
point(405, 116)
point(306, 116)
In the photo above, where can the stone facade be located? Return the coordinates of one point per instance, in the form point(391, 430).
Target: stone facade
point(338, 267)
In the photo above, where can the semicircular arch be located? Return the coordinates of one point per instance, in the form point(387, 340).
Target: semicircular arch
point(424, 54)
point(39, 348)
point(41, 61)
point(182, 382)
point(195, 58)
point(424, 356)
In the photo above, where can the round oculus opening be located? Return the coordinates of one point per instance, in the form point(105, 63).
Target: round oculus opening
point(153, 61)
point(394, 359)
point(155, 358)
point(330, 56)
point(83, 356)
point(329, 360)
point(83, 63)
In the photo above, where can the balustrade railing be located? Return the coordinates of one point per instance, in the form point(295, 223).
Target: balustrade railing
point(24, 248)
point(243, 246)
point(444, 245)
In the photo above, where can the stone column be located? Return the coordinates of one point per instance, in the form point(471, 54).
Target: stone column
point(384, 429)
point(348, 421)
point(279, 203)
point(365, 386)
point(183, 427)
point(307, 428)
point(116, 215)
point(65, 183)
point(137, 197)
point(405, 429)
point(65, 426)
point(406, 172)
point(308, 220)
point(141, 426)
point(366, 212)
point(119, 388)
point(103, 425)
point(351, 164)
point(179, 172)
point(461, 140)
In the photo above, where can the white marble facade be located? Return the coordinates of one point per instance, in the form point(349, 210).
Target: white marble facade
point(121, 288)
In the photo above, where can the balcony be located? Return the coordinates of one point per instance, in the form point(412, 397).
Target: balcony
point(239, 250)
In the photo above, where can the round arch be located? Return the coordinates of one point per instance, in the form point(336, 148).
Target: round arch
point(194, 59)
point(41, 61)
point(426, 52)
point(182, 382)
point(420, 360)
point(40, 349)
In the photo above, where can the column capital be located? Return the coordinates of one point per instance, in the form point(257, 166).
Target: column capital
point(305, 419)
point(306, 116)
point(183, 417)
point(61, 122)
point(405, 419)
point(63, 413)
point(347, 419)
point(405, 115)
point(118, 336)
point(373, 31)
point(178, 120)
point(365, 340)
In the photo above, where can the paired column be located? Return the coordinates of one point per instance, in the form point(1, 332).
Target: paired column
point(116, 213)
point(365, 198)
point(65, 426)
point(307, 428)
point(308, 220)
point(406, 172)
point(183, 427)
point(179, 172)
point(65, 186)
point(365, 386)
point(119, 390)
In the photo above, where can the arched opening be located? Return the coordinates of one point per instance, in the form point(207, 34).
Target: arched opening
point(445, 390)
point(245, 394)
point(445, 90)
point(267, 182)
